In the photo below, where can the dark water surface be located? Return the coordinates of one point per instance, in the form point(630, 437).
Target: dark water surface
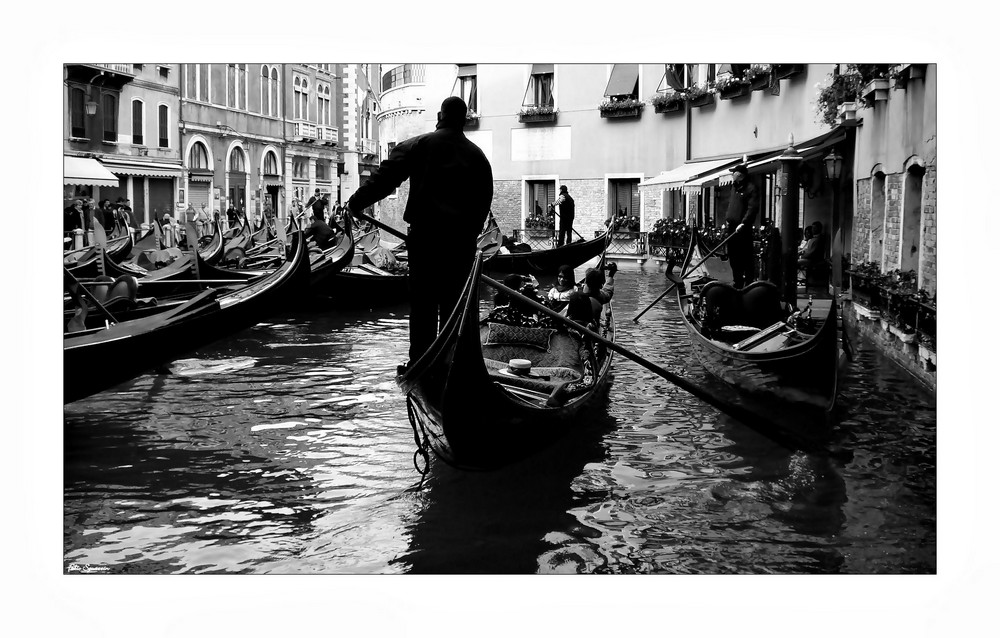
point(286, 449)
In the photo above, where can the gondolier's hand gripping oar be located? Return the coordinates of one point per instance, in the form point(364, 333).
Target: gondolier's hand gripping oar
point(690, 270)
point(751, 419)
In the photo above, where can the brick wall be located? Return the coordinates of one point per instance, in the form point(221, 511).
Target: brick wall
point(928, 232)
point(893, 221)
point(507, 205)
point(390, 210)
point(861, 246)
point(652, 206)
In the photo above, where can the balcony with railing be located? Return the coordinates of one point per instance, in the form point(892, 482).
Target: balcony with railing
point(368, 146)
point(328, 135)
point(118, 68)
point(304, 130)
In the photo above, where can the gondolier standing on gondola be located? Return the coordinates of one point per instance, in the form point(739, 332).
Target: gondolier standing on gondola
point(567, 211)
point(743, 204)
point(451, 190)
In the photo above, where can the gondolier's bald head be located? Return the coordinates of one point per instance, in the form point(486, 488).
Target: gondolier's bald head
point(452, 113)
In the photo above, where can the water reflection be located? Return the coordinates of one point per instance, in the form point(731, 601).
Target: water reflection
point(286, 449)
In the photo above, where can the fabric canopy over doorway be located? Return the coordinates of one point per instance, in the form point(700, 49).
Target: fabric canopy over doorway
point(675, 178)
point(86, 171)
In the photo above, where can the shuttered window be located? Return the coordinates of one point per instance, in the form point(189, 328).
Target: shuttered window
point(540, 195)
point(137, 122)
point(624, 196)
point(77, 113)
point(162, 126)
point(110, 104)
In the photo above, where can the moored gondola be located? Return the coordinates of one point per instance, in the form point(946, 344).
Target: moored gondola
point(471, 401)
point(95, 359)
point(547, 262)
point(777, 355)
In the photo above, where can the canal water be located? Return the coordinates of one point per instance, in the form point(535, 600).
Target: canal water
point(286, 449)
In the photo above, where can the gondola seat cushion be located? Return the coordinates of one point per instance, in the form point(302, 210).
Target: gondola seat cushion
point(560, 350)
point(503, 334)
point(156, 259)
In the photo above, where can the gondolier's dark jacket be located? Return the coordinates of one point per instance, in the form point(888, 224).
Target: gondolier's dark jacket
point(451, 182)
point(744, 201)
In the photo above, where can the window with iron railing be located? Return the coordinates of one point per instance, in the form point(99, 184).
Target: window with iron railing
point(402, 74)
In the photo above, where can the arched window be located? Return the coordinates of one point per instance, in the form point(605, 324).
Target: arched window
point(275, 92)
point(301, 102)
point(110, 103)
point(270, 164)
point(237, 161)
point(323, 104)
point(137, 122)
point(198, 157)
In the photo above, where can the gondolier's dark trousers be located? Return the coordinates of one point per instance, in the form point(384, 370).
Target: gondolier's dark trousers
point(565, 231)
point(740, 250)
point(439, 265)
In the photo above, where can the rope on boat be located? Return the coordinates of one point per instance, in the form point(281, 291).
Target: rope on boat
point(422, 445)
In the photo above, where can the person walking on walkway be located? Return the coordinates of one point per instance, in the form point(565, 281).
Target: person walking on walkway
point(567, 210)
point(451, 191)
point(744, 201)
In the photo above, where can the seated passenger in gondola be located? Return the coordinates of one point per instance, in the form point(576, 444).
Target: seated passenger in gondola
point(599, 289)
point(565, 286)
point(321, 233)
point(509, 311)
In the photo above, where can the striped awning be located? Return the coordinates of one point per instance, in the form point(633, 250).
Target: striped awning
point(675, 178)
point(144, 169)
point(86, 171)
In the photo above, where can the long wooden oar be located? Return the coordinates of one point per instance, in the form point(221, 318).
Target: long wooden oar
point(752, 419)
point(635, 319)
point(75, 286)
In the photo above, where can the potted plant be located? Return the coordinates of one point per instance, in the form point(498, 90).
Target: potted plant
point(901, 74)
point(699, 95)
point(731, 87)
point(758, 76)
point(843, 88)
point(877, 90)
point(612, 107)
point(667, 102)
point(537, 114)
point(471, 119)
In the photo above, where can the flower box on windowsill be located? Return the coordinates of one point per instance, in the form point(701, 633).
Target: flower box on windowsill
point(760, 82)
point(670, 107)
point(702, 100)
point(471, 121)
point(539, 233)
point(734, 91)
point(612, 113)
point(847, 111)
point(907, 72)
point(536, 116)
point(784, 71)
point(876, 90)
